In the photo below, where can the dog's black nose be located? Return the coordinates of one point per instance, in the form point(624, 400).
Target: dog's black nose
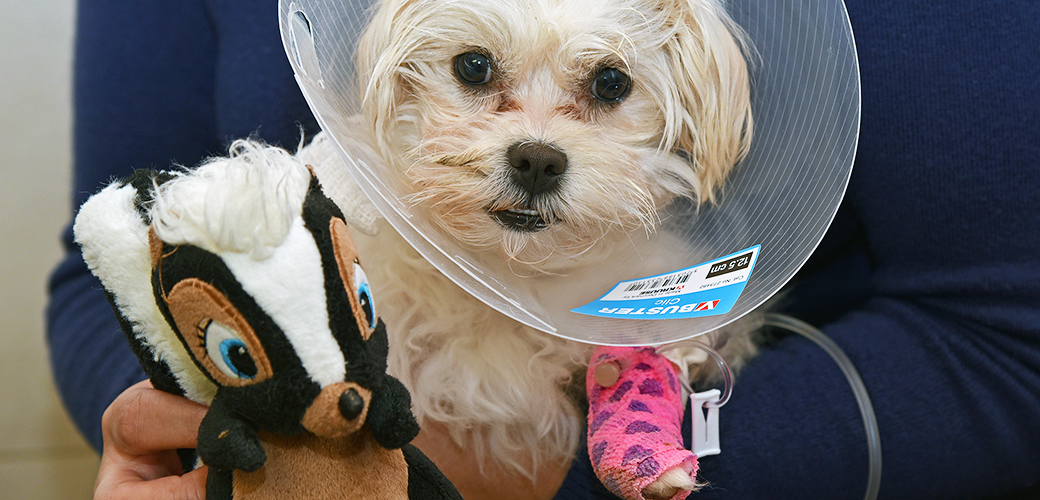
point(351, 404)
point(537, 166)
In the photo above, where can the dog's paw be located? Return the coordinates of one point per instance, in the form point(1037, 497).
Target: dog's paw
point(670, 483)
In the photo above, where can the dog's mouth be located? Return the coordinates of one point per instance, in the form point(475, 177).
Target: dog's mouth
point(520, 219)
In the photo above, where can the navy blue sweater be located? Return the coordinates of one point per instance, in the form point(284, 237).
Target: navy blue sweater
point(929, 278)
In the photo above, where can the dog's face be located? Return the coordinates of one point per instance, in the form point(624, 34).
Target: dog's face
point(541, 127)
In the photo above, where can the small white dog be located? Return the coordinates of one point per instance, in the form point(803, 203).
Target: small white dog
point(544, 132)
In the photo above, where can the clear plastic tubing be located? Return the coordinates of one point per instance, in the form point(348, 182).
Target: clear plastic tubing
point(866, 409)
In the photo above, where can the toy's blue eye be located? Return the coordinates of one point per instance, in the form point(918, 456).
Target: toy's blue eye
point(236, 356)
point(364, 295)
point(228, 351)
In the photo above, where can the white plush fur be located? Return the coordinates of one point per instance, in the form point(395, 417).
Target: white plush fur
point(497, 386)
point(244, 203)
point(289, 285)
point(494, 383)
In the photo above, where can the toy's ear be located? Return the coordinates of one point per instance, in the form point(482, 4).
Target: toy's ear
point(112, 228)
point(354, 279)
point(377, 68)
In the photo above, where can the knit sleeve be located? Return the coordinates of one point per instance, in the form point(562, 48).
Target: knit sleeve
point(157, 84)
point(929, 280)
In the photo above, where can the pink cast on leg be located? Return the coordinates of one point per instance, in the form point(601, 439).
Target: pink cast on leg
point(634, 431)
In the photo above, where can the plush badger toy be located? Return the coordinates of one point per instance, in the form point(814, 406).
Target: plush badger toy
point(239, 287)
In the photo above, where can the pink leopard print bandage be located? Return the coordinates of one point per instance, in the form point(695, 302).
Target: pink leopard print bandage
point(635, 422)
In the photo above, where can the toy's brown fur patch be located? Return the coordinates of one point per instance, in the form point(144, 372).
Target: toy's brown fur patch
point(154, 246)
point(324, 418)
point(308, 467)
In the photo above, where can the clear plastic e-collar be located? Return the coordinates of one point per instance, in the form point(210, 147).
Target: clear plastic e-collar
point(776, 206)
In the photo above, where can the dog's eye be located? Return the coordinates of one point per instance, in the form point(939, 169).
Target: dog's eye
point(473, 68)
point(610, 85)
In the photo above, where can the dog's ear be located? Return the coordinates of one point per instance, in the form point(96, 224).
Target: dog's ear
point(712, 123)
point(381, 48)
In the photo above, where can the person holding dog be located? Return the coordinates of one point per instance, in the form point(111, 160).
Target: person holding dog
point(929, 278)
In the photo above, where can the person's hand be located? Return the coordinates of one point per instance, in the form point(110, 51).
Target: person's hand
point(142, 429)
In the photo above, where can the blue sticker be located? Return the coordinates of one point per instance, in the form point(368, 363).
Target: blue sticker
point(706, 289)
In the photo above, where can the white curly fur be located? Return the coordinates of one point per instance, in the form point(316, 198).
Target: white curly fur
point(494, 383)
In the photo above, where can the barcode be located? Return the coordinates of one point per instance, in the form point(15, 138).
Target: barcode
point(659, 282)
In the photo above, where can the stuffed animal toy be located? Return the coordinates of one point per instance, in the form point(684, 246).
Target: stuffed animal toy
point(238, 286)
point(635, 417)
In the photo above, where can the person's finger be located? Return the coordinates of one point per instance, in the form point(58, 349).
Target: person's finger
point(144, 420)
point(141, 430)
point(120, 486)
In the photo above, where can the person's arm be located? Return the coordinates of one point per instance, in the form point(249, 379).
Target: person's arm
point(937, 250)
point(954, 421)
point(143, 97)
point(157, 84)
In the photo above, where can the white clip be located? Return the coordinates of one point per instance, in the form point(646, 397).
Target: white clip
point(704, 432)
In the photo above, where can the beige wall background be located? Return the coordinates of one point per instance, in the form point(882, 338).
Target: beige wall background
point(42, 457)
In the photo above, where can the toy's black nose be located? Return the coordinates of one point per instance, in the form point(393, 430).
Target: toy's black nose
point(351, 404)
point(537, 166)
